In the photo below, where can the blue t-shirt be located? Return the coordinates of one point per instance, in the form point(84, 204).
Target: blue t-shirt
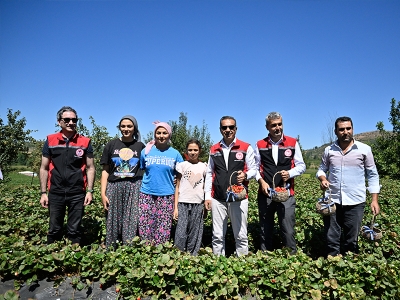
point(159, 171)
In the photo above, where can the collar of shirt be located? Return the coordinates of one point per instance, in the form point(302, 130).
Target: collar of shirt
point(223, 145)
point(61, 137)
point(226, 149)
point(278, 142)
point(336, 144)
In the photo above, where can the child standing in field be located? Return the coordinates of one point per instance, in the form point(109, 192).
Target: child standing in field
point(189, 200)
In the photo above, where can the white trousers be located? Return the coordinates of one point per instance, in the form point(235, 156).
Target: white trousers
point(237, 212)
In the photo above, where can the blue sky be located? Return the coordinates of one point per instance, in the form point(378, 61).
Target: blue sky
point(310, 60)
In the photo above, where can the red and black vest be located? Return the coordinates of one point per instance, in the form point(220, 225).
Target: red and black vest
point(236, 162)
point(67, 169)
point(268, 168)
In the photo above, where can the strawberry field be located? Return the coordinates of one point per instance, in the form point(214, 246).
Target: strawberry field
point(160, 272)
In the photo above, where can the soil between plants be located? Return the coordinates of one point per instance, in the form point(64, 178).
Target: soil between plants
point(45, 290)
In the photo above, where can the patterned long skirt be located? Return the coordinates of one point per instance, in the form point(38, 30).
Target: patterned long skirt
point(155, 219)
point(123, 212)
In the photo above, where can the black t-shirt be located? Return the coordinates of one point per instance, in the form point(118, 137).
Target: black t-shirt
point(122, 159)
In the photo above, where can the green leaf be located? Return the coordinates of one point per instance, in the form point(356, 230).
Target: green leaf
point(11, 295)
point(80, 286)
point(156, 279)
point(333, 283)
point(112, 272)
point(165, 259)
point(290, 274)
point(319, 262)
point(171, 271)
point(315, 294)
point(222, 292)
point(58, 255)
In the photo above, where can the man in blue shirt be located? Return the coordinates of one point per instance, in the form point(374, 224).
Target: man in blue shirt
point(347, 162)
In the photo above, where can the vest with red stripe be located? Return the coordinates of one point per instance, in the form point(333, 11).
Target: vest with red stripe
point(221, 176)
point(268, 168)
point(67, 169)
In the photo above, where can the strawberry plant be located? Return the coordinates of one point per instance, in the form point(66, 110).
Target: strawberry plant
point(141, 270)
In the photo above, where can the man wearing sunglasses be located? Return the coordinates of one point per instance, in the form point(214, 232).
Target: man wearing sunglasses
point(67, 175)
point(231, 162)
point(279, 160)
point(348, 162)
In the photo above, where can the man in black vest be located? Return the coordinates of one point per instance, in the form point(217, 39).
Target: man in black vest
point(67, 175)
point(279, 160)
point(231, 161)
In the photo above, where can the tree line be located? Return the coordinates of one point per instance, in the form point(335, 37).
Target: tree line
point(18, 146)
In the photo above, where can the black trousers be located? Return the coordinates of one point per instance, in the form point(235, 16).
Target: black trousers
point(58, 205)
point(348, 218)
point(286, 219)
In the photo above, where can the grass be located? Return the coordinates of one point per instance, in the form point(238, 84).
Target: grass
point(310, 172)
point(19, 179)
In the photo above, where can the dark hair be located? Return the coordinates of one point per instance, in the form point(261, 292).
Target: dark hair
point(63, 110)
point(343, 119)
point(193, 141)
point(226, 118)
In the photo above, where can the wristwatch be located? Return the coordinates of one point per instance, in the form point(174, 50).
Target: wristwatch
point(89, 191)
point(42, 193)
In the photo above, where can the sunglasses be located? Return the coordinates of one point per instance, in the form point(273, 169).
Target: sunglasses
point(67, 120)
point(231, 127)
point(276, 124)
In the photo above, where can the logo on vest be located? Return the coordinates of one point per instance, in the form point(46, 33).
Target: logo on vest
point(239, 155)
point(79, 152)
point(288, 152)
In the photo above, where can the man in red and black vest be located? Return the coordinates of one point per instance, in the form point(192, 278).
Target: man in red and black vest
point(67, 174)
point(281, 155)
point(231, 162)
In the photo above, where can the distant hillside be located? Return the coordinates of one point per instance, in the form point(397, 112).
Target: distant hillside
point(313, 156)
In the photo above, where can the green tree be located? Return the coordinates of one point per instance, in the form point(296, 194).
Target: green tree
point(386, 148)
point(182, 132)
point(80, 128)
point(35, 155)
point(13, 140)
point(99, 137)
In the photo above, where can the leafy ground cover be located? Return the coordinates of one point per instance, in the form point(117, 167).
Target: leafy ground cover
point(141, 270)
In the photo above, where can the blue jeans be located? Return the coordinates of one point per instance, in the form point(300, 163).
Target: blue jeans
point(347, 218)
point(57, 208)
